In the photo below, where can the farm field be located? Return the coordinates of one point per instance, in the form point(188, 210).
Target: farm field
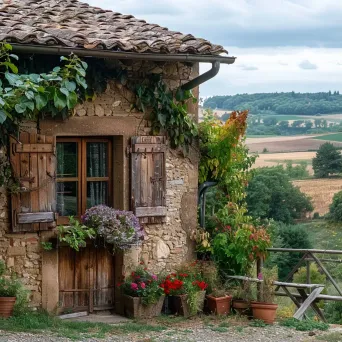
point(321, 191)
point(298, 143)
point(331, 137)
point(274, 159)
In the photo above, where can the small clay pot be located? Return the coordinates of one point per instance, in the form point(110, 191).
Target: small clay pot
point(6, 306)
point(241, 306)
point(219, 305)
point(264, 311)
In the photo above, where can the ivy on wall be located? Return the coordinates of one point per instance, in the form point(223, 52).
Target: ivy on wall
point(29, 96)
point(32, 96)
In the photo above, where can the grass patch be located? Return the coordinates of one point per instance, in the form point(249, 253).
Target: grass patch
point(333, 337)
point(305, 325)
point(168, 320)
point(331, 137)
point(219, 329)
point(41, 322)
point(37, 322)
point(325, 235)
point(139, 328)
point(258, 323)
point(224, 325)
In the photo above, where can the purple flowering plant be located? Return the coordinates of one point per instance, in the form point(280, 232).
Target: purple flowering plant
point(118, 227)
point(141, 283)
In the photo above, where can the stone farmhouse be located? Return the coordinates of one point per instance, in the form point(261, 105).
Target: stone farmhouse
point(103, 154)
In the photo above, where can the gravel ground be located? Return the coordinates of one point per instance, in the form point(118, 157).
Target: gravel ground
point(198, 334)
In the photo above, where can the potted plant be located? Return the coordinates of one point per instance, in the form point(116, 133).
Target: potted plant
point(9, 288)
point(119, 228)
point(242, 295)
point(143, 296)
point(74, 234)
point(265, 309)
point(186, 290)
point(219, 302)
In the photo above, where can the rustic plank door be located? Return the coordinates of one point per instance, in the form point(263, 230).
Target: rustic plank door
point(86, 279)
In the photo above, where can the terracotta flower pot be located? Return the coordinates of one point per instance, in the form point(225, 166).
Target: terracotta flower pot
point(178, 305)
point(6, 306)
point(219, 305)
point(264, 311)
point(241, 306)
point(134, 308)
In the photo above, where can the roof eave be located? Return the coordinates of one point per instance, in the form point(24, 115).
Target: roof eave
point(59, 50)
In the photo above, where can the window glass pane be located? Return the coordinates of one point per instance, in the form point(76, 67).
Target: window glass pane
point(97, 159)
point(67, 198)
point(66, 159)
point(97, 193)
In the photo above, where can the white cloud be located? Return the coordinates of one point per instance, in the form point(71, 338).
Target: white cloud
point(272, 77)
point(307, 65)
point(274, 40)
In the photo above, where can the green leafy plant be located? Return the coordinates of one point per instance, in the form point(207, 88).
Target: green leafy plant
point(10, 286)
point(258, 323)
point(29, 96)
point(167, 111)
point(269, 276)
point(305, 325)
point(187, 280)
point(144, 284)
point(47, 246)
point(75, 234)
point(236, 250)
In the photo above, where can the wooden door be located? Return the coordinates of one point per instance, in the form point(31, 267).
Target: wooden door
point(86, 279)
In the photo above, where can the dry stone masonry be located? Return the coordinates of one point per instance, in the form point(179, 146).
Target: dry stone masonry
point(166, 245)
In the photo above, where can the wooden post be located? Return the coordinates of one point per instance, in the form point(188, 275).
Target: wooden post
point(260, 285)
point(308, 276)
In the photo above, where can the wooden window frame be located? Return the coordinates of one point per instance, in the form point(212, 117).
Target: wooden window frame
point(82, 178)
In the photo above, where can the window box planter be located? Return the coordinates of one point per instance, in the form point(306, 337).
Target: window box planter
point(178, 305)
point(6, 306)
point(219, 305)
point(135, 309)
point(264, 311)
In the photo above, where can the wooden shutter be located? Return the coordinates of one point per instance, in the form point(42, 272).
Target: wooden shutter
point(148, 178)
point(33, 161)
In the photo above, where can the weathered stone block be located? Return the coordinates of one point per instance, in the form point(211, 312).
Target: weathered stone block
point(16, 251)
point(161, 251)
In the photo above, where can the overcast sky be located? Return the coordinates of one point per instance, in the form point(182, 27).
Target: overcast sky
point(280, 45)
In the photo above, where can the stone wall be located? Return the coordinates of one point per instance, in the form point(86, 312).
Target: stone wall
point(20, 252)
point(167, 244)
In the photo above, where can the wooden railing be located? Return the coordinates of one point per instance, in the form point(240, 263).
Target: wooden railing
point(309, 256)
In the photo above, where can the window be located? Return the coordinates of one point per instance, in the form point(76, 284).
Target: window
point(84, 175)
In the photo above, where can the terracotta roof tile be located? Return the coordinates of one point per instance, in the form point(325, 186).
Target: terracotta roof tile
point(72, 23)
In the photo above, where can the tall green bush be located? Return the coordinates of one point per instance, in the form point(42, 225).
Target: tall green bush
point(288, 236)
point(271, 195)
point(335, 209)
point(328, 161)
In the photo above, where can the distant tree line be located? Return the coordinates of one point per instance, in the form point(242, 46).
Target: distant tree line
point(280, 103)
point(270, 125)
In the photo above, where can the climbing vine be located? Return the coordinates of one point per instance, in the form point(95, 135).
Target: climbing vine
point(166, 114)
point(33, 96)
point(30, 96)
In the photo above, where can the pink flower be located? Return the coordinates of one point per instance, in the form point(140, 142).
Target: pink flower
point(260, 276)
point(142, 285)
point(154, 277)
point(134, 286)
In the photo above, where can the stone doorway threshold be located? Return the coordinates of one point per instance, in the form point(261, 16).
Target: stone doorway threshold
point(101, 318)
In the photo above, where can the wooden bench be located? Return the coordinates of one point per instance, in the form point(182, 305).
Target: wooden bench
point(306, 300)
